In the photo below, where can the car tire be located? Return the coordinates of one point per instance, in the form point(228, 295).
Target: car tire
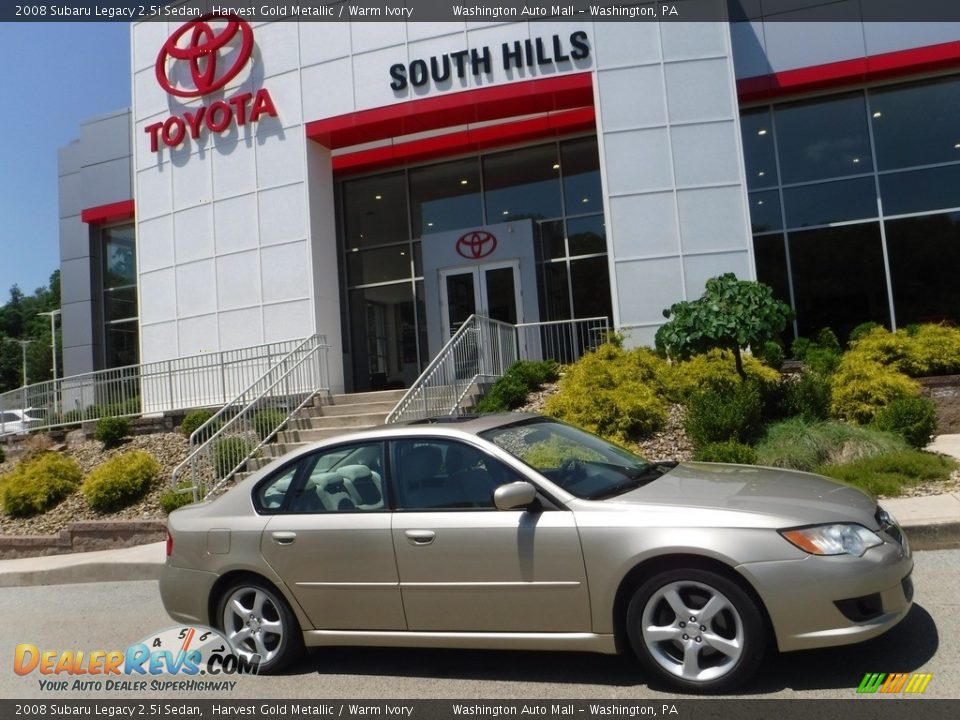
point(255, 618)
point(697, 630)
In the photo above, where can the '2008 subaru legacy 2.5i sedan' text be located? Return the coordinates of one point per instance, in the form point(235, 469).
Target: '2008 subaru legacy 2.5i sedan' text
point(518, 531)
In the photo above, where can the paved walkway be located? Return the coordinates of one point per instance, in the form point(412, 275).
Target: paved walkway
point(931, 523)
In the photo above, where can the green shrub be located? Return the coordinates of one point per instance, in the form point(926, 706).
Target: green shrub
point(613, 392)
point(171, 499)
point(266, 421)
point(520, 379)
point(36, 485)
point(120, 481)
point(724, 414)
point(914, 419)
point(882, 346)
point(823, 361)
point(890, 473)
point(800, 348)
point(111, 431)
point(714, 370)
point(932, 350)
point(193, 420)
point(861, 387)
point(228, 452)
point(827, 339)
point(862, 329)
point(726, 452)
point(803, 445)
point(807, 397)
point(772, 355)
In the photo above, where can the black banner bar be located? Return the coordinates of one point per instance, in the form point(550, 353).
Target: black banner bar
point(486, 11)
point(865, 708)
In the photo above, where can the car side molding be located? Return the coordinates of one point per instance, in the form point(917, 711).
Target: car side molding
point(577, 642)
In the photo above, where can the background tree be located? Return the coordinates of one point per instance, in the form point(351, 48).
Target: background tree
point(732, 314)
point(20, 320)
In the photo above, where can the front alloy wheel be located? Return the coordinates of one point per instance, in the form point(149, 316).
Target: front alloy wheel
point(696, 629)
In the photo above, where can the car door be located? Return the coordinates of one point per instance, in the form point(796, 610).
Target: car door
point(330, 540)
point(466, 566)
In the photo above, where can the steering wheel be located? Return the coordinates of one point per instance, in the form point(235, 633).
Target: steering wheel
point(571, 470)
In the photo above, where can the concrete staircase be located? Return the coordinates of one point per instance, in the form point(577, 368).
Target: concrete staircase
point(321, 420)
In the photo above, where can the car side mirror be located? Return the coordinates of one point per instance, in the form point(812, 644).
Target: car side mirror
point(514, 495)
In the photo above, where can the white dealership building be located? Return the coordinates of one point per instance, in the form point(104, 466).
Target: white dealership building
point(377, 182)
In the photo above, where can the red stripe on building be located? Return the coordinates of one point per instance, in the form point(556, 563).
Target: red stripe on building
point(542, 95)
point(467, 141)
point(816, 78)
point(103, 214)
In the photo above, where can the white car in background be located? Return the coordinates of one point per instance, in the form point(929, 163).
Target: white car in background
point(18, 422)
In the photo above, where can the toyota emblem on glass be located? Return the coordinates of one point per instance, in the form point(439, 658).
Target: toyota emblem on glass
point(477, 244)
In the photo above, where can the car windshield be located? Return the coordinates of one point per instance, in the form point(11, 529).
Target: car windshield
point(580, 463)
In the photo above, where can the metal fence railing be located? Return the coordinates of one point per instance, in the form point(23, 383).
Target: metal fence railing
point(562, 340)
point(481, 350)
point(222, 446)
point(205, 380)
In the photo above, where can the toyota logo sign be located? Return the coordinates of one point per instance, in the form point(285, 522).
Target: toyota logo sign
point(477, 244)
point(201, 51)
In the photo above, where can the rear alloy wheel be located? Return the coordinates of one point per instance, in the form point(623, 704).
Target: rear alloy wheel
point(697, 630)
point(257, 621)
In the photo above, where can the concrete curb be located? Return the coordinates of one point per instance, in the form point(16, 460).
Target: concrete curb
point(143, 562)
point(934, 536)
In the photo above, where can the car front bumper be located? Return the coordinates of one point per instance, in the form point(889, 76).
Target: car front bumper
point(835, 600)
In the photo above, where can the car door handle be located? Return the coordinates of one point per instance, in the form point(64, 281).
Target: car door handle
point(284, 538)
point(420, 537)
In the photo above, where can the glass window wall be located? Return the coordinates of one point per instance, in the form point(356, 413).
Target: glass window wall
point(119, 279)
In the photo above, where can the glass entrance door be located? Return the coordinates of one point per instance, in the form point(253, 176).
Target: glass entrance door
point(491, 290)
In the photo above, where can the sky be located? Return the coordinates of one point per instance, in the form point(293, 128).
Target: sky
point(52, 77)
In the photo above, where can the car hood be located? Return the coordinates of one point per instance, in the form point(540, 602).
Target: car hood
point(796, 497)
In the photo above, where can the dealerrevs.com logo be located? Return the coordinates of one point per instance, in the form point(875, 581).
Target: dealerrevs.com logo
point(185, 659)
point(200, 58)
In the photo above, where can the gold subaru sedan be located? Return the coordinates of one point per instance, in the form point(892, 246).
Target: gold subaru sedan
point(518, 531)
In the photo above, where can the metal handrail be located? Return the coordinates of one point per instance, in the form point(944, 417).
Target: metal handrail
point(205, 380)
point(481, 348)
point(235, 434)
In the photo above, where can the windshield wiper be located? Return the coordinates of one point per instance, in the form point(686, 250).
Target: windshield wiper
point(636, 478)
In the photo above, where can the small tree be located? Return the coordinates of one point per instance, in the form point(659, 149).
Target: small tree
point(732, 314)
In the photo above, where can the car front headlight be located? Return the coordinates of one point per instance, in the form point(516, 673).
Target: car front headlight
point(835, 539)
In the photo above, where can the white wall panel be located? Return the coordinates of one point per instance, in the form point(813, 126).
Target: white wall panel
point(698, 269)
point(371, 77)
point(158, 300)
point(198, 335)
point(196, 289)
point(155, 244)
point(154, 192)
point(646, 288)
point(241, 328)
point(192, 181)
point(375, 35)
point(320, 42)
point(238, 280)
point(286, 272)
point(193, 230)
point(632, 97)
point(283, 214)
point(75, 280)
point(699, 89)
point(287, 321)
point(637, 161)
point(686, 40)
point(625, 44)
point(234, 169)
point(159, 341)
point(74, 239)
point(706, 221)
point(280, 160)
point(149, 97)
point(707, 153)
point(646, 225)
point(277, 45)
point(236, 224)
point(328, 89)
